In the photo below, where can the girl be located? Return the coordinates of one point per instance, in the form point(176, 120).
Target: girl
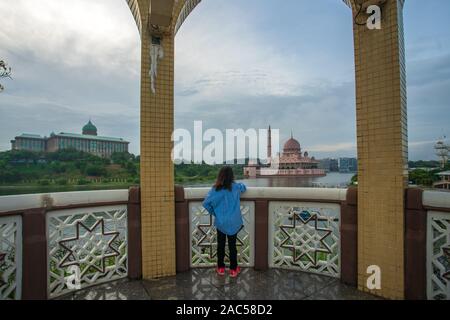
point(223, 202)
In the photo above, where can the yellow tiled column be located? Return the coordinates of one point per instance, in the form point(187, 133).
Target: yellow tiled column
point(157, 171)
point(382, 149)
point(159, 18)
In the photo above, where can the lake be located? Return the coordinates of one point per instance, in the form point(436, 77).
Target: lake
point(332, 180)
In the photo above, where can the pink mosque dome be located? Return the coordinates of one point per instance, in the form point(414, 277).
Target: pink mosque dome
point(292, 146)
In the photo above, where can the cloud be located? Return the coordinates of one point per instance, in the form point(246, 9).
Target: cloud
point(71, 33)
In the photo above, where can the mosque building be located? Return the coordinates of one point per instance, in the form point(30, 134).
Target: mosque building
point(291, 162)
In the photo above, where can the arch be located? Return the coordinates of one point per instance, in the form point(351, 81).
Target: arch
point(381, 139)
point(135, 11)
point(186, 9)
point(180, 11)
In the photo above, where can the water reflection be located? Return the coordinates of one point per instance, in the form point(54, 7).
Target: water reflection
point(331, 180)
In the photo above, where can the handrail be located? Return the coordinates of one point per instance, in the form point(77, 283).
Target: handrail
point(431, 198)
point(436, 199)
point(278, 193)
point(33, 201)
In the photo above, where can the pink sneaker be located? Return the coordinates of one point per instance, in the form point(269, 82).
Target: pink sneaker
point(235, 273)
point(220, 271)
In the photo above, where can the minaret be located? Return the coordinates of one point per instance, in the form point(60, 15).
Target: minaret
point(269, 146)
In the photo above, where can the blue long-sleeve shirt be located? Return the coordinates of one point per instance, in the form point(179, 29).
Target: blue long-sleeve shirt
point(225, 206)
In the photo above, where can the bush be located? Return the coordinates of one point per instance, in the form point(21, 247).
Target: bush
point(95, 170)
point(82, 182)
point(10, 176)
point(422, 177)
point(137, 181)
point(62, 182)
point(44, 182)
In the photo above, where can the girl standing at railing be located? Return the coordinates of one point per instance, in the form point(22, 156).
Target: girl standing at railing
point(224, 203)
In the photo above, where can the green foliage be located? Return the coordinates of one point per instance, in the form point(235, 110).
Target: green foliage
point(423, 164)
point(71, 168)
point(95, 170)
point(423, 177)
point(28, 168)
point(122, 158)
point(83, 182)
point(62, 182)
point(195, 173)
point(44, 182)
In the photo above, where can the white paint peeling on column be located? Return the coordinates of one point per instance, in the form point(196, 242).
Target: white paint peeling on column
point(156, 53)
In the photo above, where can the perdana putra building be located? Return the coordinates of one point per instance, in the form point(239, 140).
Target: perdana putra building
point(291, 162)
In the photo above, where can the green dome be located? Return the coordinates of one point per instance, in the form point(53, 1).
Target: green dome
point(90, 129)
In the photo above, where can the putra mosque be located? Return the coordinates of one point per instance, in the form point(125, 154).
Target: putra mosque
point(292, 162)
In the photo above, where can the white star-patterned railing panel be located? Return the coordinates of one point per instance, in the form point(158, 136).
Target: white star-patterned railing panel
point(438, 256)
point(10, 258)
point(92, 240)
point(305, 237)
point(203, 236)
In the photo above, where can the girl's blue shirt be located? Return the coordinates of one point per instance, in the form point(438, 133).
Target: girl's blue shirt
point(225, 206)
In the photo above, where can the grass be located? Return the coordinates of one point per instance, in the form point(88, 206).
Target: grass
point(33, 189)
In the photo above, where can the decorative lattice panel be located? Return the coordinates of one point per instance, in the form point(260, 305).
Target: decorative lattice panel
point(86, 247)
point(10, 258)
point(305, 237)
point(204, 236)
point(438, 256)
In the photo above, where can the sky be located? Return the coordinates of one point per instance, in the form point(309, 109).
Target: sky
point(239, 64)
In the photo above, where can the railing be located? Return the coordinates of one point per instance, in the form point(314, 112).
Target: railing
point(55, 244)
point(86, 247)
point(10, 257)
point(438, 245)
point(305, 237)
point(302, 229)
point(204, 237)
point(70, 241)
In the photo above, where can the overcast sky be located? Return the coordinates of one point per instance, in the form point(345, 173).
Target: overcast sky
point(239, 64)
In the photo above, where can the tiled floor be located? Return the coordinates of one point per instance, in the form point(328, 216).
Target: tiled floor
point(204, 284)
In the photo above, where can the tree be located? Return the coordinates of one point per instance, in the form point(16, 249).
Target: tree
point(423, 177)
point(354, 180)
point(5, 72)
point(94, 170)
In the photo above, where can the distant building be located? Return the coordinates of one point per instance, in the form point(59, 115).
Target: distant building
point(445, 181)
point(88, 141)
point(29, 142)
point(329, 165)
point(292, 162)
point(347, 165)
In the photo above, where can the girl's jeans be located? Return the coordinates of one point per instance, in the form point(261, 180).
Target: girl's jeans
point(221, 239)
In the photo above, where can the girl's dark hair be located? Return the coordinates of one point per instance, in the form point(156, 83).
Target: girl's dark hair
point(225, 179)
